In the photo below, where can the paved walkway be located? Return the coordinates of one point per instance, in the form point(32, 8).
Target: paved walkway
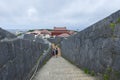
point(60, 69)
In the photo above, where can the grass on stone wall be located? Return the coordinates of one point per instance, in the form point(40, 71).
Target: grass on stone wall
point(117, 74)
point(107, 74)
point(87, 71)
point(110, 74)
point(118, 21)
point(112, 26)
point(92, 73)
point(106, 77)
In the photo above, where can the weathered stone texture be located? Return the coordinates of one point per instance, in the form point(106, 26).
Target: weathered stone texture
point(18, 58)
point(97, 47)
point(29, 36)
point(34, 38)
point(55, 40)
point(5, 34)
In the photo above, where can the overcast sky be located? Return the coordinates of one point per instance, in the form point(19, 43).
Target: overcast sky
point(74, 14)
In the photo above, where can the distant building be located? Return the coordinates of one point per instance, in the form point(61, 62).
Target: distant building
point(59, 30)
point(45, 33)
point(35, 32)
point(71, 32)
point(56, 32)
point(42, 33)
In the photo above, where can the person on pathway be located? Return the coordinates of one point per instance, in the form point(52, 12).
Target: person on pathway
point(53, 54)
point(56, 51)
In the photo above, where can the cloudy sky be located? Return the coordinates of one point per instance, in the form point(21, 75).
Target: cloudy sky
point(74, 14)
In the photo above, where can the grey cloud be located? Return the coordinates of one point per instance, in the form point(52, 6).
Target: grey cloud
point(49, 13)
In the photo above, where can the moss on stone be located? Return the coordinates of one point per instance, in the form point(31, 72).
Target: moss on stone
point(117, 74)
point(118, 20)
point(106, 77)
point(92, 73)
point(86, 71)
point(109, 70)
point(107, 74)
point(112, 26)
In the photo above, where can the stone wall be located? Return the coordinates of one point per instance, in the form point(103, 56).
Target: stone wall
point(55, 40)
point(96, 48)
point(5, 34)
point(34, 38)
point(18, 58)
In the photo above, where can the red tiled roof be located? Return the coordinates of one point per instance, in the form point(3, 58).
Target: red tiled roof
point(45, 32)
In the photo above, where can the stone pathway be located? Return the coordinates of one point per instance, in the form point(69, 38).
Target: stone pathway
point(60, 69)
